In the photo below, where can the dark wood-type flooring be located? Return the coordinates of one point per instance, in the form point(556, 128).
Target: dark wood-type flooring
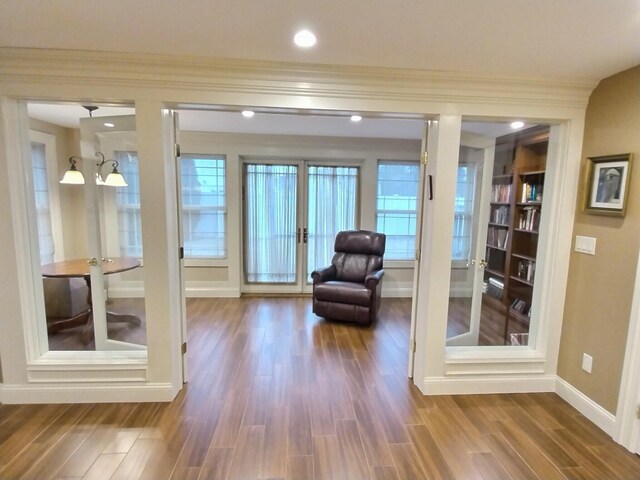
point(276, 393)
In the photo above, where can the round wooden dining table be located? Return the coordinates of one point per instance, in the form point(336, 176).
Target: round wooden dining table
point(80, 268)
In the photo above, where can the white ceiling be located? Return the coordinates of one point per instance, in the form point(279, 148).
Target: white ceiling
point(578, 39)
point(271, 123)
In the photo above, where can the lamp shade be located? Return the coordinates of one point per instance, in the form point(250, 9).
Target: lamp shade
point(73, 177)
point(115, 179)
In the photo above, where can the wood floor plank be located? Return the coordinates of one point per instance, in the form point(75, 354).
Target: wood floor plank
point(433, 462)
point(327, 460)
point(276, 431)
point(299, 435)
point(508, 457)
point(104, 433)
point(300, 467)
point(167, 449)
point(489, 467)
point(135, 461)
point(352, 450)
point(384, 473)
point(217, 464)
point(406, 461)
point(54, 432)
point(374, 443)
point(104, 466)
point(247, 458)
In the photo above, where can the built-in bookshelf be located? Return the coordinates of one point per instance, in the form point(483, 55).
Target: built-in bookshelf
point(517, 194)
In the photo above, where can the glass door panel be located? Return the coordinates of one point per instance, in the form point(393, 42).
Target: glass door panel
point(492, 293)
point(331, 207)
point(271, 224)
point(109, 148)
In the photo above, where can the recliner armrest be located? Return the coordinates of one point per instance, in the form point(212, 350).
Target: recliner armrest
point(323, 274)
point(372, 280)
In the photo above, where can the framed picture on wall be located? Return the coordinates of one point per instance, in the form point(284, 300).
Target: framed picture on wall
point(608, 184)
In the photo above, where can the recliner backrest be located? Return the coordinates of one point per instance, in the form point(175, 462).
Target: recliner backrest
point(358, 254)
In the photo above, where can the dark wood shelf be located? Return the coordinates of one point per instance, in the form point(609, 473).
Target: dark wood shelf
point(504, 176)
point(534, 173)
point(524, 230)
point(524, 257)
point(501, 203)
point(497, 248)
point(529, 204)
point(494, 272)
point(520, 317)
point(521, 280)
point(502, 225)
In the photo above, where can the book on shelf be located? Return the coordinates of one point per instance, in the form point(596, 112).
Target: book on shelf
point(531, 192)
point(520, 306)
point(497, 237)
point(501, 193)
point(526, 270)
point(495, 288)
point(500, 215)
point(529, 219)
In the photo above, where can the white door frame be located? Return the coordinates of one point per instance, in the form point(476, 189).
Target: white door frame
point(627, 423)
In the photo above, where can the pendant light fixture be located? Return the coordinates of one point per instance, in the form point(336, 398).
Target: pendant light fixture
point(74, 177)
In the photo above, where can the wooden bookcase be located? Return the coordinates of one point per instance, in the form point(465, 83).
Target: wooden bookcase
point(516, 199)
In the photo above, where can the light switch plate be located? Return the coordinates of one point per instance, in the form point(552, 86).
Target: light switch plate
point(587, 362)
point(585, 245)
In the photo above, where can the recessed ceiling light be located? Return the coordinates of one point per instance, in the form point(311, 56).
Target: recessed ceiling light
point(356, 118)
point(109, 124)
point(516, 125)
point(304, 39)
point(248, 113)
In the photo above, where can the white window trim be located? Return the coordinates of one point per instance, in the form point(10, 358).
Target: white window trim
point(212, 261)
point(396, 262)
point(51, 158)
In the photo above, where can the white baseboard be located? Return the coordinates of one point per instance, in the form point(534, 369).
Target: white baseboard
point(397, 289)
point(127, 290)
point(602, 418)
point(487, 384)
point(210, 290)
point(21, 394)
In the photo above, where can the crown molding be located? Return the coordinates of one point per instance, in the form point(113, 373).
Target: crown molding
point(75, 67)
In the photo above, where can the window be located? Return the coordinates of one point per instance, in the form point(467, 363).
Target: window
point(128, 204)
point(204, 206)
point(43, 206)
point(463, 214)
point(396, 207)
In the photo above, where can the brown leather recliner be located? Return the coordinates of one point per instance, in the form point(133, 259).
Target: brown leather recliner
point(349, 289)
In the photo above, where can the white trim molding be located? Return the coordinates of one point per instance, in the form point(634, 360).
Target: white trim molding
point(278, 80)
point(488, 384)
point(605, 420)
point(195, 289)
point(627, 431)
point(83, 393)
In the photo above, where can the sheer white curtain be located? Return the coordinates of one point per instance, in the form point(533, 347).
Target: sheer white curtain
point(271, 200)
point(43, 208)
point(333, 193)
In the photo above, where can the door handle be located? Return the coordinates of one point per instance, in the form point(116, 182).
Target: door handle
point(305, 235)
point(93, 261)
point(483, 263)
point(471, 262)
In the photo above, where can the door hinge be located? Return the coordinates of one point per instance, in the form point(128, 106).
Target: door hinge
point(425, 158)
point(181, 253)
point(176, 150)
point(184, 348)
point(638, 412)
point(418, 254)
point(412, 345)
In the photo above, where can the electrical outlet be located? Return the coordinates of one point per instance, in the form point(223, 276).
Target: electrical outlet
point(587, 362)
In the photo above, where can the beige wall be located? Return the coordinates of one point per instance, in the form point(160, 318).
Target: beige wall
point(600, 287)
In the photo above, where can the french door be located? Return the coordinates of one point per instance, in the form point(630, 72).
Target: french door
point(292, 213)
